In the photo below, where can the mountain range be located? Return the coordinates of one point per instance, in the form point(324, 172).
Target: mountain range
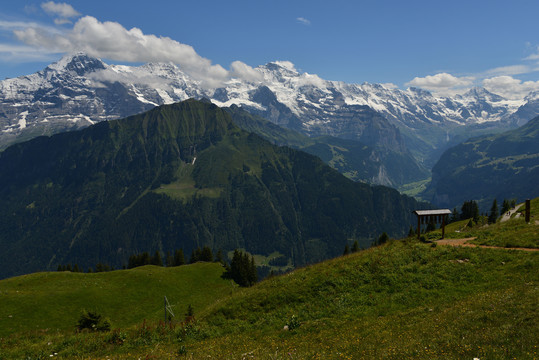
point(501, 166)
point(80, 90)
point(179, 176)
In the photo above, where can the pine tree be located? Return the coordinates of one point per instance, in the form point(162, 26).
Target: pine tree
point(454, 215)
point(156, 259)
point(506, 206)
point(383, 238)
point(470, 210)
point(493, 212)
point(179, 259)
point(219, 257)
point(195, 255)
point(206, 254)
point(346, 250)
point(355, 247)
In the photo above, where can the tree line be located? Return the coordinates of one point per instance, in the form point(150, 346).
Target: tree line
point(242, 268)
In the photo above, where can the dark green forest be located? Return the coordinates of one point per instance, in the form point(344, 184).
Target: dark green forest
point(179, 176)
point(502, 166)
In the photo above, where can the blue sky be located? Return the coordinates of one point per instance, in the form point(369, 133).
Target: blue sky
point(442, 46)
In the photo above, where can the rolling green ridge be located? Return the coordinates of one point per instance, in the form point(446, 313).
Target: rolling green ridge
point(54, 300)
point(401, 300)
point(502, 166)
point(357, 161)
point(179, 176)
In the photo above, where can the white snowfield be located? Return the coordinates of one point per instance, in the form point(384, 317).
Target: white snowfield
point(90, 91)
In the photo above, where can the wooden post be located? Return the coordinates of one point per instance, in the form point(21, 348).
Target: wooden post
point(443, 226)
point(528, 210)
point(418, 226)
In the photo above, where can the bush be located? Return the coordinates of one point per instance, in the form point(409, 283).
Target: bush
point(91, 320)
point(293, 323)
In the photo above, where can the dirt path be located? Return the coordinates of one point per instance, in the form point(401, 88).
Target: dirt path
point(464, 242)
point(508, 214)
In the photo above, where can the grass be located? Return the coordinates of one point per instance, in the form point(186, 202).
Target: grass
point(513, 233)
point(402, 300)
point(415, 188)
point(54, 300)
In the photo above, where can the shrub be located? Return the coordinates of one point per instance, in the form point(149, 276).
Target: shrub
point(293, 323)
point(91, 320)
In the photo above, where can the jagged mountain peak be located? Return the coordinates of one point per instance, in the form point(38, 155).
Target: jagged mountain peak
point(482, 94)
point(78, 62)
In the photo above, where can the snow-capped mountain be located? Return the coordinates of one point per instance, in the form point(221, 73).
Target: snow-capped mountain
point(80, 90)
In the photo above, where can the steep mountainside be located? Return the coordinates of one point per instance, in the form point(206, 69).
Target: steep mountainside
point(502, 166)
point(179, 176)
point(374, 164)
point(79, 90)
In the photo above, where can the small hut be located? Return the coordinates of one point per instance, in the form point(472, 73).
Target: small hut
point(436, 216)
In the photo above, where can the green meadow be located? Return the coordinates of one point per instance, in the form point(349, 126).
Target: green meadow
point(405, 299)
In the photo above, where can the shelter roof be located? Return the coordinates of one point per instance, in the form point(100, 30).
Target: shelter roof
point(432, 212)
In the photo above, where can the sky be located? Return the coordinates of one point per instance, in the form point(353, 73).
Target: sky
point(446, 47)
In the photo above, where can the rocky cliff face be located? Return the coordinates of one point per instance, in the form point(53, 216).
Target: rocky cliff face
point(79, 90)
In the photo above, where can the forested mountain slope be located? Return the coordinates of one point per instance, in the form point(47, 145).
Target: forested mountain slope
point(179, 176)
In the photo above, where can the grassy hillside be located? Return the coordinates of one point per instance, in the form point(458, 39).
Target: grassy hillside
point(402, 300)
point(501, 166)
point(54, 300)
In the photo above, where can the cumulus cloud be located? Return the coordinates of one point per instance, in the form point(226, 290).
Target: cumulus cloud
point(62, 10)
point(510, 87)
point(390, 86)
point(303, 21)
point(112, 41)
point(442, 83)
point(243, 71)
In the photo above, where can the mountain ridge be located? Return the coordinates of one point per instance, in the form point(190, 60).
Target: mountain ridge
point(300, 101)
point(179, 176)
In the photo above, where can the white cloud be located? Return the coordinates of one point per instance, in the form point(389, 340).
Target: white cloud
point(62, 21)
point(390, 86)
point(509, 70)
point(111, 40)
point(22, 53)
point(442, 84)
point(303, 21)
point(60, 9)
point(510, 87)
point(241, 70)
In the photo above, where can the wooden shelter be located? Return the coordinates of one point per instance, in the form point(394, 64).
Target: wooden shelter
point(426, 216)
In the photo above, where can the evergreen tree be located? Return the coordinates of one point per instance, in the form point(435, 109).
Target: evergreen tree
point(156, 259)
point(493, 212)
point(169, 259)
point(346, 250)
point(206, 254)
point(243, 269)
point(411, 232)
point(76, 268)
point(383, 238)
point(454, 215)
point(219, 257)
point(195, 255)
point(355, 247)
point(470, 210)
point(506, 206)
point(179, 259)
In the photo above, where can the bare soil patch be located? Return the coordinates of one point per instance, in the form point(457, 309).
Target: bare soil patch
point(464, 242)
